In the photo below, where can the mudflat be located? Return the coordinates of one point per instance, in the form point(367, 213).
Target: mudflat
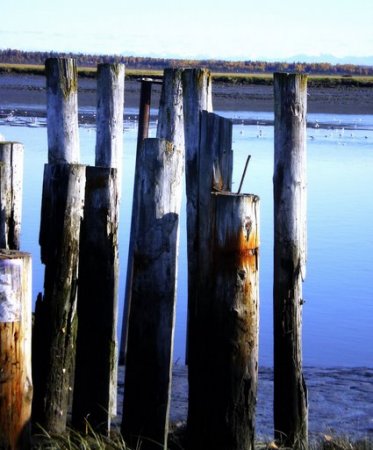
point(24, 92)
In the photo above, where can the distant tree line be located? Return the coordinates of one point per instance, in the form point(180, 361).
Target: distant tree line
point(136, 62)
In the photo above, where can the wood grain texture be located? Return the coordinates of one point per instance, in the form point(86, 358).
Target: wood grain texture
point(197, 92)
point(152, 315)
point(62, 110)
point(54, 340)
point(97, 303)
point(11, 181)
point(15, 350)
point(223, 368)
point(290, 392)
point(109, 119)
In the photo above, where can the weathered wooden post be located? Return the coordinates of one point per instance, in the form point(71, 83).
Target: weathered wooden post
point(290, 393)
point(170, 116)
point(55, 312)
point(11, 178)
point(143, 132)
point(214, 174)
point(197, 91)
point(151, 321)
point(15, 350)
point(223, 373)
point(109, 122)
point(62, 110)
point(97, 303)
point(144, 110)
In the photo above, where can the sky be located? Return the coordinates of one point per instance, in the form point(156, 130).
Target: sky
point(220, 29)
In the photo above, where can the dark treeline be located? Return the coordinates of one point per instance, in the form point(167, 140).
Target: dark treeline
point(136, 62)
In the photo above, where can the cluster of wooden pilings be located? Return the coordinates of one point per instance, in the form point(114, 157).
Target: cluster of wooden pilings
point(74, 347)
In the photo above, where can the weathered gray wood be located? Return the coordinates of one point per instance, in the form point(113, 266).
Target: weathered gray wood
point(290, 393)
point(151, 321)
point(62, 110)
point(11, 179)
point(96, 357)
point(170, 127)
point(197, 91)
point(55, 314)
point(223, 373)
point(109, 123)
point(170, 116)
point(15, 349)
point(143, 131)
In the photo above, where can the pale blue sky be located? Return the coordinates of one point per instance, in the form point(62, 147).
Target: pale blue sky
point(241, 29)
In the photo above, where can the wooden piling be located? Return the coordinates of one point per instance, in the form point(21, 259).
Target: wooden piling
point(55, 313)
point(143, 131)
point(96, 357)
point(214, 174)
point(11, 179)
point(170, 116)
point(151, 320)
point(15, 350)
point(197, 91)
point(109, 123)
point(144, 110)
point(62, 110)
point(290, 393)
point(223, 372)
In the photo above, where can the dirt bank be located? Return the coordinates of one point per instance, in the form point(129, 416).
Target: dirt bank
point(28, 91)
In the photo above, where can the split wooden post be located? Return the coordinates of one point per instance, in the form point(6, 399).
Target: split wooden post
point(55, 313)
point(143, 132)
point(197, 91)
point(11, 179)
point(15, 350)
point(214, 174)
point(223, 373)
point(109, 123)
point(151, 322)
point(97, 303)
point(290, 393)
point(62, 110)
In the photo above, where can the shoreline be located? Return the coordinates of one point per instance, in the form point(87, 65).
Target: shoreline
point(340, 401)
point(27, 93)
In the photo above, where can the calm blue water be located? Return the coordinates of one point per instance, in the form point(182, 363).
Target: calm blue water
point(338, 313)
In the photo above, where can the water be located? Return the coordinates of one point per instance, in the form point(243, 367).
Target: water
point(338, 313)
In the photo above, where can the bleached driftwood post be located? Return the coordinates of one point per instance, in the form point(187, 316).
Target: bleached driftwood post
point(97, 303)
point(15, 350)
point(170, 115)
point(62, 110)
point(109, 123)
point(197, 91)
point(290, 393)
point(224, 371)
point(143, 132)
point(11, 178)
point(55, 313)
point(151, 320)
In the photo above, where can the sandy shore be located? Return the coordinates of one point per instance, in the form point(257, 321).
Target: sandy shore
point(27, 92)
point(340, 401)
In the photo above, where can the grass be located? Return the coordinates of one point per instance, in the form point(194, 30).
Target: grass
point(72, 440)
point(220, 77)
